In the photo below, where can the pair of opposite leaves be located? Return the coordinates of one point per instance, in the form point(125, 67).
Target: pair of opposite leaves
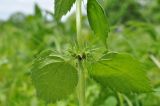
point(55, 78)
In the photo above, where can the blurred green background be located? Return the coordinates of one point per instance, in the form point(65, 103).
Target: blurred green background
point(134, 28)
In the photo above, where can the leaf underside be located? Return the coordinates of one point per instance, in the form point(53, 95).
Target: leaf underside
point(121, 72)
point(54, 79)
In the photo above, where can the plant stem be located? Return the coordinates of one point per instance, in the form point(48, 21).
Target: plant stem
point(128, 101)
point(120, 97)
point(155, 60)
point(136, 100)
point(81, 73)
point(79, 21)
point(81, 84)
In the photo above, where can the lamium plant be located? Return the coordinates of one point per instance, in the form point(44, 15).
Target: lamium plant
point(56, 75)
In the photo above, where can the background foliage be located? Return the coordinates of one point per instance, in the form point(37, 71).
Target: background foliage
point(134, 29)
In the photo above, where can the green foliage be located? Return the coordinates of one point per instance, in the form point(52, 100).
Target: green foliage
point(62, 7)
point(97, 19)
point(123, 11)
point(53, 77)
point(121, 72)
point(30, 34)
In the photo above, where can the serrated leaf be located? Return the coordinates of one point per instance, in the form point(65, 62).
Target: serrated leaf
point(121, 72)
point(46, 57)
point(62, 7)
point(97, 19)
point(54, 79)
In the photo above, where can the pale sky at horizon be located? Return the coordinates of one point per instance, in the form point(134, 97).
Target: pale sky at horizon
point(8, 7)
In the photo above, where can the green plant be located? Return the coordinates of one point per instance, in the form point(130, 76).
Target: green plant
point(56, 74)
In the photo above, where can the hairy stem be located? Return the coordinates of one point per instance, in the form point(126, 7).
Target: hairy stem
point(81, 84)
point(81, 73)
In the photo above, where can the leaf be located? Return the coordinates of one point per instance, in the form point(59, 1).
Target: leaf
point(62, 7)
point(121, 72)
point(97, 19)
point(38, 11)
point(54, 79)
